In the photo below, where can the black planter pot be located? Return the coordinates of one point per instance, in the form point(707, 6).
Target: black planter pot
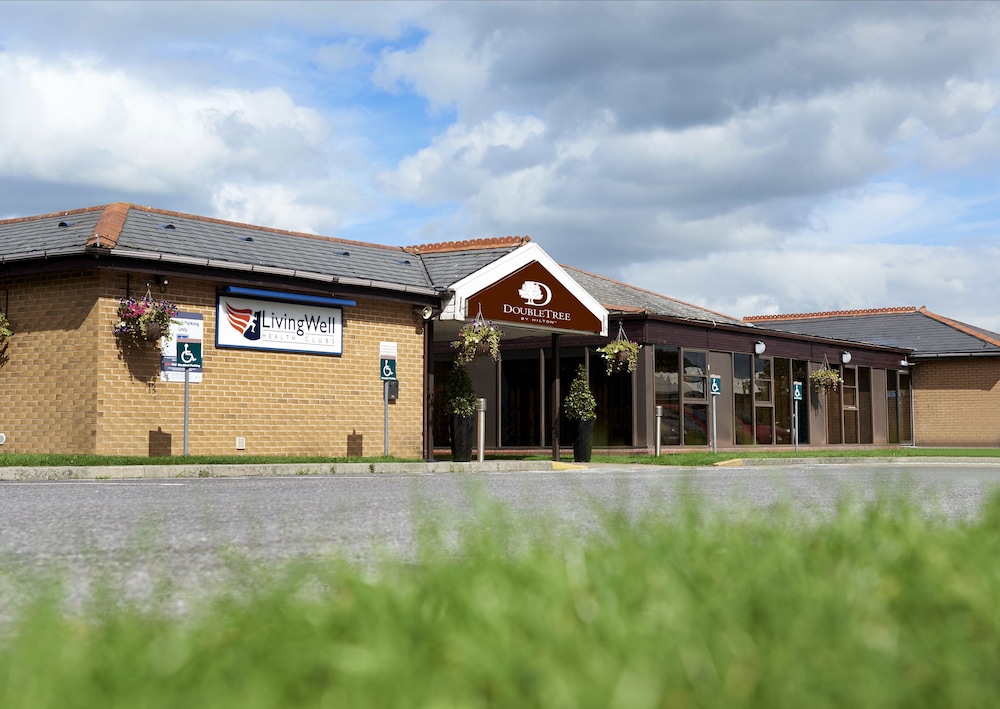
point(462, 432)
point(583, 442)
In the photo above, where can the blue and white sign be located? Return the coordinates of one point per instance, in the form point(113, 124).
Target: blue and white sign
point(715, 384)
point(276, 325)
point(797, 391)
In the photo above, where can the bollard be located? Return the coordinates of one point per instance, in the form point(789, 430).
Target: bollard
point(659, 420)
point(481, 408)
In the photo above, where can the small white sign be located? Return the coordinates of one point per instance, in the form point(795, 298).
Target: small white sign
point(186, 327)
point(387, 350)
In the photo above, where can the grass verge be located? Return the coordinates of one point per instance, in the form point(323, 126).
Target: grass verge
point(679, 459)
point(877, 605)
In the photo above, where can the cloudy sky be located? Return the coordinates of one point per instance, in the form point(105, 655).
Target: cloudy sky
point(750, 158)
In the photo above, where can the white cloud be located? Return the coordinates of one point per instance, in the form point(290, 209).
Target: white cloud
point(77, 121)
point(446, 67)
point(458, 163)
point(958, 283)
point(271, 204)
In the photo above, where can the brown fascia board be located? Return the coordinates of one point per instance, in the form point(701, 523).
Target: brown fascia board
point(467, 245)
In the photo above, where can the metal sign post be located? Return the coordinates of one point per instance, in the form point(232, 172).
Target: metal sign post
point(797, 395)
point(715, 386)
point(188, 357)
point(387, 372)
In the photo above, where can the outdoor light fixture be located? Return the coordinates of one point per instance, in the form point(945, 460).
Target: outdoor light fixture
point(162, 281)
point(759, 347)
point(904, 363)
point(845, 356)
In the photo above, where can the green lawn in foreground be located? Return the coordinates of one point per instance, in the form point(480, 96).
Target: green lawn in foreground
point(877, 605)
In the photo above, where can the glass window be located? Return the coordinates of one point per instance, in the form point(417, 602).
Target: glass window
point(800, 373)
point(695, 424)
point(743, 398)
point(762, 379)
point(850, 388)
point(695, 374)
point(782, 401)
point(520, 399)
point(765, 424)
point(613, 392)
point(667, 391)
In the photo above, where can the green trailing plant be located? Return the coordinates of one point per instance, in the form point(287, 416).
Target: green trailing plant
point(580, 403)
point(825, 379)
point(5, 330)
point(461, 397)
point(480, 338)
point(621, 354)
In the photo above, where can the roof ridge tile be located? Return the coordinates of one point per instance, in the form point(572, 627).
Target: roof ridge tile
point(109, 227)
point(468, 245)
point(830, 314)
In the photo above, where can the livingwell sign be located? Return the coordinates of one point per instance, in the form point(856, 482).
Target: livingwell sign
point(531, 295)
point(271, 325)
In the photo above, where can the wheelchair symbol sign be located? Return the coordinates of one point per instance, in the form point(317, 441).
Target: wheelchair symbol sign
point(387, 369)
point(715, 385)
point(188, 354)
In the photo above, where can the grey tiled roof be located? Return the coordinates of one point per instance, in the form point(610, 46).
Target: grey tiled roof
point(615, 295)
point(230, 243)
point(36, 238)
point(927, 334)
point(446, 268)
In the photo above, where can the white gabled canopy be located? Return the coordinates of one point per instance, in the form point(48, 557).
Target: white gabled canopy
point(528, 290)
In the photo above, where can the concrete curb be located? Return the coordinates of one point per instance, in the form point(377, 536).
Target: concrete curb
point(166, 472)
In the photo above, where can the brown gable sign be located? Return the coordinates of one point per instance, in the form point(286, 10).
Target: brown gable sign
point(531, 295)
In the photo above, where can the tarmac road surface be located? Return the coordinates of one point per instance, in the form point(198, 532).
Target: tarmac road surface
point(138, 530)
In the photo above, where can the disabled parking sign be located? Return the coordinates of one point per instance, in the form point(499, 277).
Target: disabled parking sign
point(188, 354)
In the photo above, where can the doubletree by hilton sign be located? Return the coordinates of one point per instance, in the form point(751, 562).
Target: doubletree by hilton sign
point(532, 296)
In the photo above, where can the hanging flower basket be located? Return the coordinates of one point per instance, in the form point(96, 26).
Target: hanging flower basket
point(621, 354)
point(480, 338)
point(144, 319)
point(5, 330)
point(825, 379)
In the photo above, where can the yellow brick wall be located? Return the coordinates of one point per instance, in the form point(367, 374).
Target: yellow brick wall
point(93, 397)
point(956, 402)
point(48, 379)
